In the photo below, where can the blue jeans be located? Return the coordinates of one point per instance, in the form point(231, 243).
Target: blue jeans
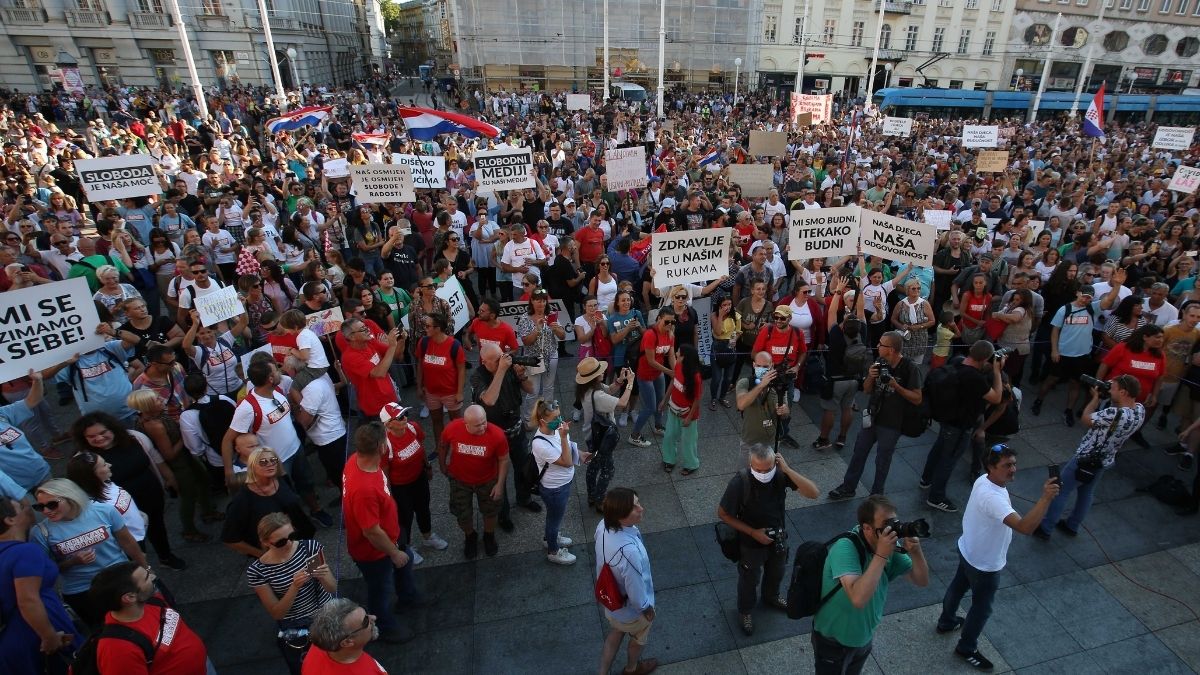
point(723, 362)
point(886, 437)
point(384, 581)
point(1083, 499)
point(651, 393)
point(983, 591)
point(556, 500)
point(949, 446)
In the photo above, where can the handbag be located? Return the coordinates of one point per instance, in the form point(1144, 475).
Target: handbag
point(993, 328)
point(1088, 466)
point(606, 589)
point(727, 537)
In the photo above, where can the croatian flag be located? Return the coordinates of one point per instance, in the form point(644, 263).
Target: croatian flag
point(652, 167)
point(302, 117)
point(370, 139)
point(1093, 121)
point(425, 124)
point(709, 158)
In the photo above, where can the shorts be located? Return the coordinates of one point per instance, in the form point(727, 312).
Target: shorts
point(460, 499)
point(1166, 394)
point(435, 402)
point(1071, 367)
point(1185, 407)
point(305, 376)
point(843, 396)
point(638, 629)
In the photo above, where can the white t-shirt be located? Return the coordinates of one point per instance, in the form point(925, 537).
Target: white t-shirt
point(320, 401)
point(222, 245)
point(1102, 289)
point(458, 223)
point(186, 296)
point(306, 339)
point(547, 449)
point(802, 319)
point(516, 254)
point(220, 369)
point(123, 502)
point(276, 430)
point(1163, 316)
point(985, 538)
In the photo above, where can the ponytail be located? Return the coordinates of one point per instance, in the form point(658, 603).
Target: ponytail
point(540, 408)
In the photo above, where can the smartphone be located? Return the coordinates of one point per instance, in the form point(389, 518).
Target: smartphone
point(553, 317)
point(1053, 470)
point(314, 562)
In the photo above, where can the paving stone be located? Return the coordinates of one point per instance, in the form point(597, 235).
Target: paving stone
point(1105, 620)
point(789, 655)
point(700, 497)
point(1161, 572)
point(1184, 640)
point(1024, 632)
point(563, 640)
point(1189, 555)
point(449, 651)
point(725, 663)
point(1144, 653)
point(1072, 664)
point(688, 624)
point(525, 584)
point(906, 642)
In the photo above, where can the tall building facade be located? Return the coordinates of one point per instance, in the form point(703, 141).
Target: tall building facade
point(136, 42)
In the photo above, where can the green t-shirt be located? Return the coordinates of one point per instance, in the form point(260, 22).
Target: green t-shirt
point(86, 268)
point(398, 301)
point(839, 619)
point(758, 419)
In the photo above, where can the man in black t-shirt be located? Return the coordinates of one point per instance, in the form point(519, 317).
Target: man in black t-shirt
point(973, 388)
point(500, 387)
point(400, 259)
point(691, 215)
point(768, 479)
point(559, 226)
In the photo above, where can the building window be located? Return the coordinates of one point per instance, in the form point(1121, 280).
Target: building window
point(964, 41)
point(150, 6)
point(997, 5)
point(956, 84)
point(972, 4)
point(939, 35)
point(830, 32)
point(918, 2)
point(1155, 44)
point(1196, 11)
point(1143, 5)
point(1082, 3)
point(770, 28)
point(1182, 7)
point(1074, 37)
point(212, 7)
point(989, 42)
point(945, 3)
point(1187, 47)
point(885, 37)
point(1126, 5)
point(910, 38)
point(981, 86)
point(1166, 7)
point(856, 34)
point(1116, 41)
point(798, 30)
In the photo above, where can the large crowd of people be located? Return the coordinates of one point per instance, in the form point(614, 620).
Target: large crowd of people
point(1075, 262)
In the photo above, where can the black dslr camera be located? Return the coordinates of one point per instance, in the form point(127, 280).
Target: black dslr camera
point(918, 528)
point(1104, 387)
point(779, 537)
point(782, 379)
point(525, 360)
point(1002, 353)
point(885, 371)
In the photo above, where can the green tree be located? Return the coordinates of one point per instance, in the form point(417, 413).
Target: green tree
point(391, 14)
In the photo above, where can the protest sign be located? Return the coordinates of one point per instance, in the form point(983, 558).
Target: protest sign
point(820, 233)
point(244, 359)
point(1185, 180)
point(756, 180)
point(897, 126)
point(1173, 138)
point(326, 321)
point(336, 168)
point(118, 177)
point(980, 136)
point(626, 168)
point(768, 143)
point(1033, 230)
point(219, 305)
point(668, 125)
point(381, 183)
point(897, 239)
point(689, 256)
point(938, 218)
point(427, 172)
point(452, 292)
point(510, 312)
point(42, 326)
point(995, 161)
point(579, 102)
point(704, 337)
point(504, 169)
point(803, 120)
point(819, 105)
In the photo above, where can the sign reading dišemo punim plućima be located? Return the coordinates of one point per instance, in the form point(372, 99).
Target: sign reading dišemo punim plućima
point(383, 183)
point(45, 325)
point(690, 256)
point(821, 233)
point(626, 168)
point(894, 238)
point(427, 172)
point(118, 177)
point(504, 169)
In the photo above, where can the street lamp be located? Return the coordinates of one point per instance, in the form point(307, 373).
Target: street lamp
point(291, 54)
point(1020, 74)
point(737, 71)
point(887, 74)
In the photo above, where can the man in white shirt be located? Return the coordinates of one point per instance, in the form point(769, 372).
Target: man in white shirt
point(1156, 309)
point(317, 410)
point(1103, 286)
point(988, 523)
point(521, 256)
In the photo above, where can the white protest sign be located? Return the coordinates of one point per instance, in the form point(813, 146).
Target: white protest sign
point(938, 218)
point(897, 126)
point(336, 168)
point(980, 136)
point(626, 168)
point(219, 305)
point(1173, 138)
point(452, 292)
point(1185, 180)
point(326, 321)
point(994, 161)
point(704, 337)
point(118, 177)
point(381, 183)
point(897, 239)
point(267, 349)
point(689, 256)
point(817, 233)
point(579, 102)
point(768, 143)
point(510, 312)
point(820, 106)
point(504, 169)
point(756, 180)
point(42, 326)
point(427, 172)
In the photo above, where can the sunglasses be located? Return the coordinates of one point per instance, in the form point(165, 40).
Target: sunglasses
point(781, 318)
point(668, 323)
point(680, 297)
point(199, 271)
point(51, 505)
point(294, 536)
point(604, 263)
point(268, 461)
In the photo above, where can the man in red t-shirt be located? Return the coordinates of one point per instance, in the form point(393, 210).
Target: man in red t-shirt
point(473, 453)
point(126, 592)
point(339, 634)
point(366, 361)
point(591, 243)
point(786, 347)
point(409, 472)
point(441, 370)
point(656, 365)
point(373, 533)
point(487, 328)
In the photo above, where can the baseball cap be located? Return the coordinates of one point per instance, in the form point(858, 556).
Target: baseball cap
point(668, 203)
point(392, 411)
point(1088, 289)
point(784, 311)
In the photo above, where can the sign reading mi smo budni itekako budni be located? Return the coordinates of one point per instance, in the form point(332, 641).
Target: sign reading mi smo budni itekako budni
point(690, 256)
point(118, 177)
point(383, 183)
point(823, 233)
point(44, 325)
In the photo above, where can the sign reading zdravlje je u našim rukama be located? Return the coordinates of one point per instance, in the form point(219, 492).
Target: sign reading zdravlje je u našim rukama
point(689, 256)
point(44, 325)
point(118, 177)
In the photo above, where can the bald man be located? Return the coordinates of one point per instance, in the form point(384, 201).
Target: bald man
point(473, 453)
point(500, 388)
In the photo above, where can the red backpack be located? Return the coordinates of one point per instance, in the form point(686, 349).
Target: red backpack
point(258, 413)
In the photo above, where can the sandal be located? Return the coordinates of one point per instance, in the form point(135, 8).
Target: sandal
point(688, 472)
point(196, 537)
point(668, 467)
point(725, 402)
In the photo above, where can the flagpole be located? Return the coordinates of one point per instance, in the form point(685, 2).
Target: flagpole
point(1037, 100)
point(1085, 75)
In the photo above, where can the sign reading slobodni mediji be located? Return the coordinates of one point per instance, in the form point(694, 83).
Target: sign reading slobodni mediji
point(382, 183)
point(897, 126)
point(823, 233)
point(118, 177)
point(894, 238)
point(427, 172)
point(42, 326)
point(511, 312)
point(980, 136)
point(690, 256)
point(504, 169)
point(1173, 138)
point(626, 168)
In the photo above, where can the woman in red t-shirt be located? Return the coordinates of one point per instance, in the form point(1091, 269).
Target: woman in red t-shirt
point(683, 409)
point(658, 360)
point(974, 306)
point(1142, 357)
point(441, 370)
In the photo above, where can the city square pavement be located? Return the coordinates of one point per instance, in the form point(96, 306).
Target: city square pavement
point(1121, 598)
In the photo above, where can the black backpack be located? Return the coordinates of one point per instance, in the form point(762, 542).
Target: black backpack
point(216, 416)
point(804, 592)
point(530, 471)
point(85, 658)
point(727, 537)
point(939, 395)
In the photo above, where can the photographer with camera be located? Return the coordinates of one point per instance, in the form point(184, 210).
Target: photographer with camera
point(753, 504)
point(894, 385)
point(786, 347)
point(988, 524)
point(762, 400)
point(500, 387)
point(863, 566)
point(1108, 430)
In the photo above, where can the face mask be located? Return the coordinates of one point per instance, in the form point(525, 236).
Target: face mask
point(763, 477)
point(554, 424)
point(761, 371)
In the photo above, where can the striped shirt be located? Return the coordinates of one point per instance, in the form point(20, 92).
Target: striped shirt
point(278, 577)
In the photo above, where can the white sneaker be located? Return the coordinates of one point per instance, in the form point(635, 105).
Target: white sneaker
point(576, 415)
point(564, 541)
point(435, 542)
point(424, 412)
point(795, 396)
point(561, 557)
point(623, 419)
point(417, 559)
